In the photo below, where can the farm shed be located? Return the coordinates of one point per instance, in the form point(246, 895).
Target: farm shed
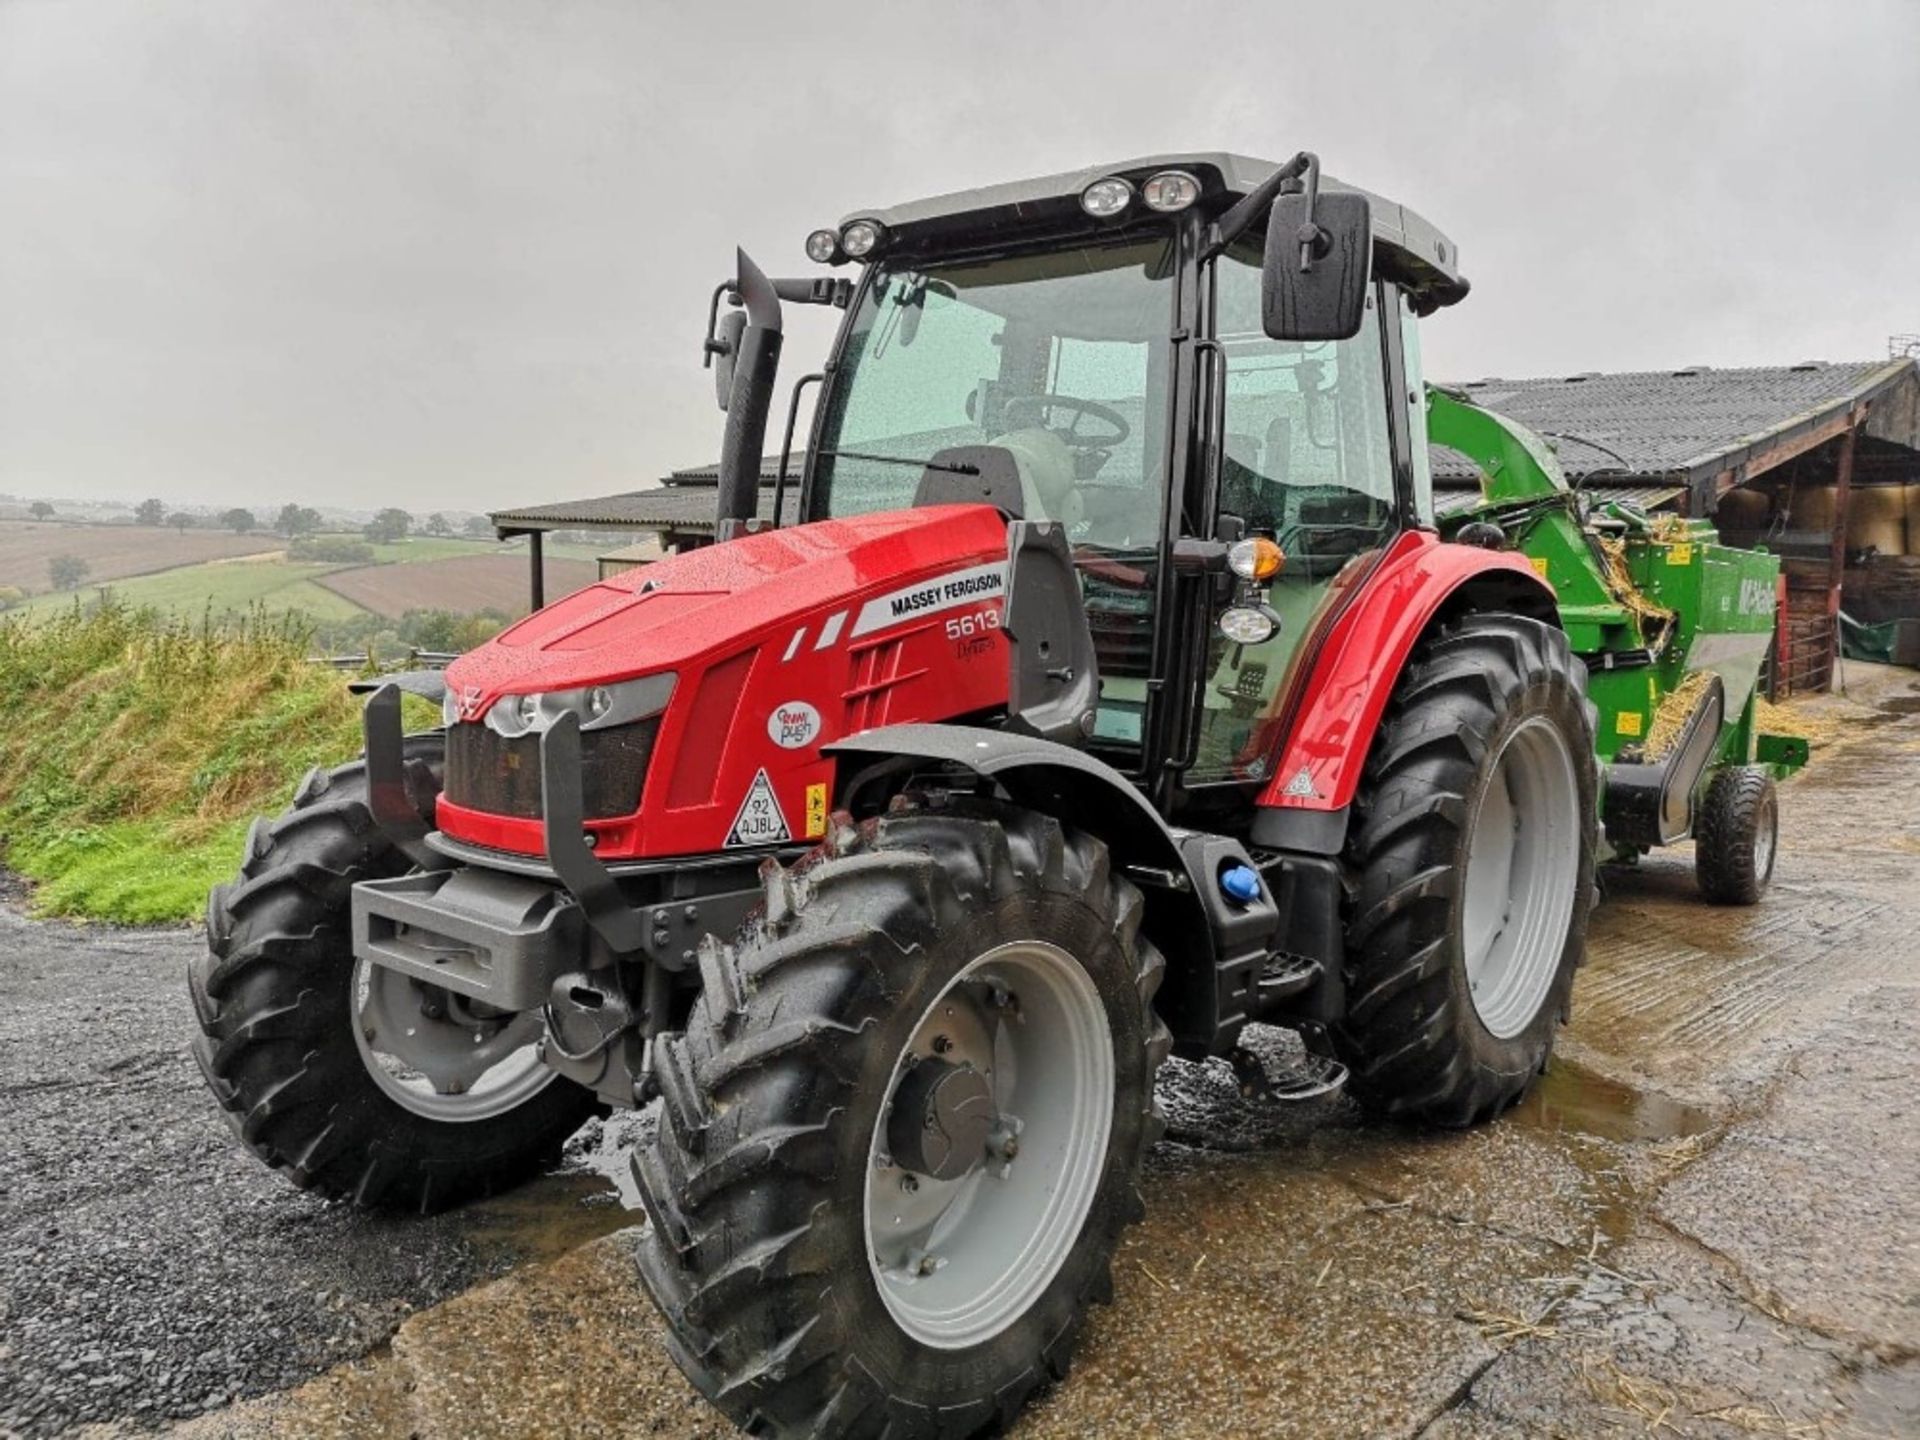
point(1818, 462)
point(679, 511)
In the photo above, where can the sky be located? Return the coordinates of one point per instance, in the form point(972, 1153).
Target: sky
point(457, 255)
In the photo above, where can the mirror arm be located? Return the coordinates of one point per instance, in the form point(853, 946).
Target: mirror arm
point(1314, 241)
point(836, 291)
point(714, 346)
point(1256, 202)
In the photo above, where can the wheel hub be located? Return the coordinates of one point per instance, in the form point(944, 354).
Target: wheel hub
point(440, 1055)
point(943, 1118)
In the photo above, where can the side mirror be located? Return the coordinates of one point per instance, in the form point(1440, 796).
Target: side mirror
point(725, 350)
point(1319, 260)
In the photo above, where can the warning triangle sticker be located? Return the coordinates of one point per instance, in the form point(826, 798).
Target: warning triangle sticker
point(760, 821)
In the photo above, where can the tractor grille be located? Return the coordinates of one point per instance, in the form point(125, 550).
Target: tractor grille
point(486, 771)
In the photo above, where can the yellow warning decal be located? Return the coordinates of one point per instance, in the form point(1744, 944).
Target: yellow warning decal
point(1680, 554)
point(1627, 722)
point(816, 811)
point(1539, 563)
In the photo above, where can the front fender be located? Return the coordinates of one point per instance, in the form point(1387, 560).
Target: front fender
point(1037, 773)
point(1213, 947)
point(1422, 580)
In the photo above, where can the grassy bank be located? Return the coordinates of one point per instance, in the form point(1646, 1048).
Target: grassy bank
point(136, 749)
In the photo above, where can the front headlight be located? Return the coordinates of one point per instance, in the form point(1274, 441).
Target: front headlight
point(599, 707)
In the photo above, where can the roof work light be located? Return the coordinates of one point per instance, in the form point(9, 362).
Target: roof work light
point(1170, 190)
point(861, 238)
point(823, 247)
point(1104, 199)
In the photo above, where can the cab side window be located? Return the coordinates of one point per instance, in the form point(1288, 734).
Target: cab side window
point(1308, 450)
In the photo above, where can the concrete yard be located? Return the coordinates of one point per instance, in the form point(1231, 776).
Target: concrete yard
point(1706, 1222)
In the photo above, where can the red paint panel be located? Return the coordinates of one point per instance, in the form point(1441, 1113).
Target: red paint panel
point(866, 621)
point(696, 761)
point(1366, 649)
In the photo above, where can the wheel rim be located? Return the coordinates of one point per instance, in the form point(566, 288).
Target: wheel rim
point(1522, 873)
point(957, 1261)
point(1766, 830)
point(435, 1055)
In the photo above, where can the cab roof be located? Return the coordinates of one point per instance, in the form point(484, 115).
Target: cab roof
point(1416, 252)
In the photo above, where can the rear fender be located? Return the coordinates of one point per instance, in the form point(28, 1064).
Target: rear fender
point(1422, 583)
point(1214, 948)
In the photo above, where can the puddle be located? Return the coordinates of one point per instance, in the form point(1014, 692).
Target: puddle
point(1574, 1098)
point(590, 1195)
point(547, 1218)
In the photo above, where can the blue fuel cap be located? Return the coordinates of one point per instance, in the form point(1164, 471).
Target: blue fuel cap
point(1241, 884)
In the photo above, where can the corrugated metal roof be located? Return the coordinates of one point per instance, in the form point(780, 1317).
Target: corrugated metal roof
point(685, 502)
point(670, 507)
point(1688, 422)
point(1647, 497)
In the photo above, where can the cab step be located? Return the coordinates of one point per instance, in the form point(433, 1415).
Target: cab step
point(1284, 975)
point(1302, 1077)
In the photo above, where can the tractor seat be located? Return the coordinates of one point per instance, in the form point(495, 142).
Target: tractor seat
point(1048, 480)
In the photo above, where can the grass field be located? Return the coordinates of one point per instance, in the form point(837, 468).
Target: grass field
point(222, 587)
point(112, 552)
point(442, 547)
point(222, 574)
point(463, 583)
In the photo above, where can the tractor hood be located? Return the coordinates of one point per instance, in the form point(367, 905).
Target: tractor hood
point(686, 610)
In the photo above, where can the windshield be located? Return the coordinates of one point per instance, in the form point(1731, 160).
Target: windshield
point(1059, 358)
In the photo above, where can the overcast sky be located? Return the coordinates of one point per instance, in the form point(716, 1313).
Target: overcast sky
point(458, 254)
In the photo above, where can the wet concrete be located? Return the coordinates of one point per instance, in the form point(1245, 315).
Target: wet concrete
point(1704, 1223)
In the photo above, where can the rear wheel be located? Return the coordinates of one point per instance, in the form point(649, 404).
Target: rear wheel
point(1474, 851)
point(355, 1080)
point(1737, 836)
point(904, 1126)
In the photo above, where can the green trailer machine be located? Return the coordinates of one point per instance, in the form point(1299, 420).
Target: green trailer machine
point(1674, 629)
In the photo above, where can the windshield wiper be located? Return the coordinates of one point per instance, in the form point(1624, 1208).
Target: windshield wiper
point(948, 467)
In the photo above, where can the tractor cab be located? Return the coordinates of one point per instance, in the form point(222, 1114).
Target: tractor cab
point(1114, 352)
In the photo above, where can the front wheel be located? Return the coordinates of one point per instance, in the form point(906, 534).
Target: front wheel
point(904, 1127)
point(1474, 850)
point(356, 1081)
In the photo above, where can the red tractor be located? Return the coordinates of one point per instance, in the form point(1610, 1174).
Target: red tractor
point(1113, 688)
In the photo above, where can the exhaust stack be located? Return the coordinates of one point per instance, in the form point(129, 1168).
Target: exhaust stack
point(752, 398)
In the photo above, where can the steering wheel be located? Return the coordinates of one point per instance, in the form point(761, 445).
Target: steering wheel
point(1041, 407)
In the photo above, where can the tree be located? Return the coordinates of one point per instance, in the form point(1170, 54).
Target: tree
point(436, 524)
point(297, 520)
point(180, 521)
point(40, 510)
point(68, 572)
point(389, 525)
point(150, 512)
point(479, 527)
point(239, 521)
